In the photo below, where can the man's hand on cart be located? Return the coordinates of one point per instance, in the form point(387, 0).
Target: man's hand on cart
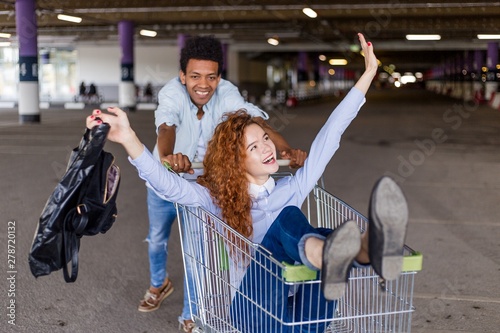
point(178, 163)
point(296, 157)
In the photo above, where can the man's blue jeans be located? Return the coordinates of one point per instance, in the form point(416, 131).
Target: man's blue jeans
point(262, 283)
point(162, 215)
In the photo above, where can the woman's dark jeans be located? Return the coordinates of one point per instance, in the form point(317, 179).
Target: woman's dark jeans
point(263, 294)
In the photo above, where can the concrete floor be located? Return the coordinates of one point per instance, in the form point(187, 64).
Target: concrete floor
point(443, 152)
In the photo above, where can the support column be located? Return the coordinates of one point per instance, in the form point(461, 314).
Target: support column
point(467, 78)
point(302, 88)
point(302, 67)
point(478, 79)
point(181, 42)
point(127, 94)
point(492, 56)
point(27, 31)
point(491, 85)
point(457, 87)
point(224, 59)
point(233, 60)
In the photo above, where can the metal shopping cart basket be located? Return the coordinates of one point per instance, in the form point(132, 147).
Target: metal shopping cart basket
point(212, 249)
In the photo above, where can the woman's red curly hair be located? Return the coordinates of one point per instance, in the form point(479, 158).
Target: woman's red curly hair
point(224, 171)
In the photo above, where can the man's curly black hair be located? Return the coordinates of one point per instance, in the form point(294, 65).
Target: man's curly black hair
point(202, 48)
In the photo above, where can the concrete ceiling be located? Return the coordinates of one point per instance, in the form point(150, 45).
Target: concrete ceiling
point(246, 25)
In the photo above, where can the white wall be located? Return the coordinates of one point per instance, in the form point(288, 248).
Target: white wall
point(100, 64)
point(156, 64)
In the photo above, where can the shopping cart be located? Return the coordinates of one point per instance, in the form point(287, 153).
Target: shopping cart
point(212, 249)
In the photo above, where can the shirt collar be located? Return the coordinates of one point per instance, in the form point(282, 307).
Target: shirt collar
point(256, 191)
point(207, 107)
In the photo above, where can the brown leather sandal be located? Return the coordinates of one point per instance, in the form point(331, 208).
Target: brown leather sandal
point(152, 300)
point(187, 325)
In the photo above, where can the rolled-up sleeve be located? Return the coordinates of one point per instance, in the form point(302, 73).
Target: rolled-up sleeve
point(170, 104)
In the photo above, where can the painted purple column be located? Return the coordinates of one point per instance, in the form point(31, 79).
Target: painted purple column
point(478, 86)
point(27, 31)
point(340, 74)
point(492, 61)
point(468, 62)
point(127, 92)
point(478, 61)
point(323, 72)
point(225, 48)
point(459, 65)
point(465, 74)
point(492, 56)
point(316, 72)
point(181, 40)
point(126, 34)
point(491, 76)
point(448, 68)
point(302, 70)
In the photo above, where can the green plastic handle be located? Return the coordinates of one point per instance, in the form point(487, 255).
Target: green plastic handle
point(296, 273)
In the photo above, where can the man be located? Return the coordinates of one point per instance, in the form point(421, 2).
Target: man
point(190, 107)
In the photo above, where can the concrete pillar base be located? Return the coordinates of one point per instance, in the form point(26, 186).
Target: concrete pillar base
point(29, 118)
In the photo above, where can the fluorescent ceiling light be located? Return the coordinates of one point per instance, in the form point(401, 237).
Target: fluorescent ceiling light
point(408, 78)
point(4, 35)
point(69, 18)
point(423, 37)
point(486, 36)
point(148, 33)
point(2, 44)
point(310, 12)
point(337, 62)
point(273, 41)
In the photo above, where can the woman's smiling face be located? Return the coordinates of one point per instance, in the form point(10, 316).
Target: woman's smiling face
point(260, 159)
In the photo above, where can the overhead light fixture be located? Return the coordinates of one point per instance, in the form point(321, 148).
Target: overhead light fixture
point(337, 62)
point(309, 12)
point(408, 78)
point(4, 35)
point(3, 44)
point(487, 36)
point(273, 41)
point(69, 18)
point(423, 37)
point(148, 33)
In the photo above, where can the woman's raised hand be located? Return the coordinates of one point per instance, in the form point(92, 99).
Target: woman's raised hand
point(371, 65)
point(120, 130)
point(120, 127)
point(371, 62)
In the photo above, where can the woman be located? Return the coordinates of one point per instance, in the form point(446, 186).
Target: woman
point(268, 212)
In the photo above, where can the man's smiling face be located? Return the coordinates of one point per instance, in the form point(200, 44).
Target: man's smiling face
point(201, 79)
